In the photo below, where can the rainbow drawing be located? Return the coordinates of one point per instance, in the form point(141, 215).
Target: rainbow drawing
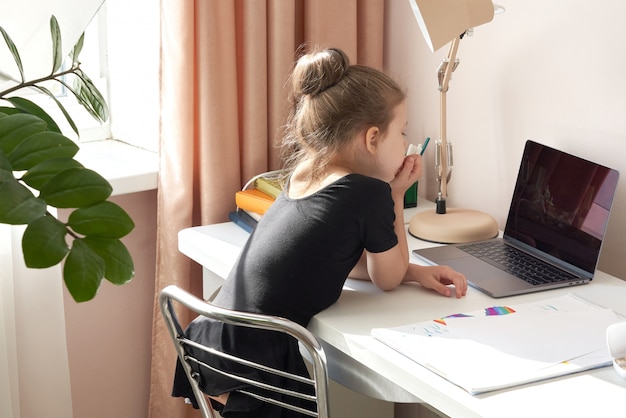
point(498, 310)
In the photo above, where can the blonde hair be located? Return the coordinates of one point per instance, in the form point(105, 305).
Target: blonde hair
point(332, 102)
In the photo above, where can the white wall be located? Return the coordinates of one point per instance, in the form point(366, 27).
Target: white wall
point(34, 372)
point(109, 338)
point(552, 71)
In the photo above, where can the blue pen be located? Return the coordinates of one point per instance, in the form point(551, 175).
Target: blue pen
point(425, 145)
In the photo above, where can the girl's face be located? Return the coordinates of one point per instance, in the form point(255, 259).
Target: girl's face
point(392, 148)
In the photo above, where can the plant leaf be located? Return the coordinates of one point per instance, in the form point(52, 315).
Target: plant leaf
point(18, 205)
point(6, 171)
point(39, 175)
point(15, 128)
point(78, 47)
point(103, 220)
point(61, 107)
point(43, 242)
point(90, 97)
point(81, 100)
point(83, 271)
point(27, 106)
point(119, 267)
point(6, 111)
point(57, 48)
point(14, 52)
point(39, 147)
point(76, 188)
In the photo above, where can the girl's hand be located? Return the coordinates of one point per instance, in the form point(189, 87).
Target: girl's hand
point(438, 278)
point(409, 173)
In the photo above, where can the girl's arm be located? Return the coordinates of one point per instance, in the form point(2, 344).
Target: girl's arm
point(437, 278)
point(387, 270)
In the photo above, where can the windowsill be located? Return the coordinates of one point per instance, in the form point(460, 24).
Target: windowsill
point(129, 169)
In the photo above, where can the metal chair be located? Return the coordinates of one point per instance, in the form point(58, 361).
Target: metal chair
point(309, 345)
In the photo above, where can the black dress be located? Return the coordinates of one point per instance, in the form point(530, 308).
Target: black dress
point(293, 265)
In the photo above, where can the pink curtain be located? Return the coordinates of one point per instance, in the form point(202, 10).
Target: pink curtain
point(224, 65)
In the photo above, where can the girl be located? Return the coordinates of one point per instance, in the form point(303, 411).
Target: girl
point(340, 215)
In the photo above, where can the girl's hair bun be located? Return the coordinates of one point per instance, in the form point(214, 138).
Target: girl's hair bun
point(318, 71)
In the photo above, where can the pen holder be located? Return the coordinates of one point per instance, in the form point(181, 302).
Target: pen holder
point(616, 341)
point(410, 196)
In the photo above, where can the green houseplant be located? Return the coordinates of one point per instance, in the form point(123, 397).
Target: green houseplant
point(38, 170)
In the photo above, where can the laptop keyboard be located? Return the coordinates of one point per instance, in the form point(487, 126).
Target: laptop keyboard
point(516, 262)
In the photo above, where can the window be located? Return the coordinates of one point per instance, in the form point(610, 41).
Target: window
point(120, 55)
point(94, 64)
point(132, 45)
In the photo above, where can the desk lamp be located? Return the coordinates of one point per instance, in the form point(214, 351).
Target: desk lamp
point(443, 21)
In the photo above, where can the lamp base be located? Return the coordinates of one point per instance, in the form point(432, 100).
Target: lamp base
point(456, 226)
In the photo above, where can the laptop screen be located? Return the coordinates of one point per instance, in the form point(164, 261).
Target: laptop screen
point(561, 205)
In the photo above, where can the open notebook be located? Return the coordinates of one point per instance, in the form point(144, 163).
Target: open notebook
point(504, 346)
point(554, 231)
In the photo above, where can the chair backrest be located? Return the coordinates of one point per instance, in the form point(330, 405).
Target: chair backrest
point(312, 349)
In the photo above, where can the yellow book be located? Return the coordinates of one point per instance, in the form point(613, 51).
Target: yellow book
point(268, 186)
point(253, 200)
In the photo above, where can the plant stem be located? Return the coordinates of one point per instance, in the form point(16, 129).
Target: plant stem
point(32, 83)
point(68, 230)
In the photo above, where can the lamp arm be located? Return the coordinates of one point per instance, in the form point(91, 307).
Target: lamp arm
point(444, 78)
point(443, 172)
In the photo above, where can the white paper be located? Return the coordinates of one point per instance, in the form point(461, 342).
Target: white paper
point(504, 346)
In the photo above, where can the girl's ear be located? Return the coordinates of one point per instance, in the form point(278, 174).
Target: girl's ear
point(372, 139)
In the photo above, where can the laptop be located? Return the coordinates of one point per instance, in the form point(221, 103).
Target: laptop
point(554, 230)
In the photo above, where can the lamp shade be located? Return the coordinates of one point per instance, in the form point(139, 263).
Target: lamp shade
point(443, 20)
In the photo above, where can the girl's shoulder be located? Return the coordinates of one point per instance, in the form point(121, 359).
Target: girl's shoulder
point(360, 180)
point(361, 187)
point(348, 184)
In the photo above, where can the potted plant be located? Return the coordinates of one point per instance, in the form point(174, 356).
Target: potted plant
point(38, 170)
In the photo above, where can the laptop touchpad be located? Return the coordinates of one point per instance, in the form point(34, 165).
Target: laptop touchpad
point(439, 254)
point(484, 276)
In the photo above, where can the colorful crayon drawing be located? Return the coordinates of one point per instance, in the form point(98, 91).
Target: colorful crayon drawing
point(431, 330)
point(459, 315)
point(498, 310)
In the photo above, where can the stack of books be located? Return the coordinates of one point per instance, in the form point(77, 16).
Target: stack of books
point(255, 198)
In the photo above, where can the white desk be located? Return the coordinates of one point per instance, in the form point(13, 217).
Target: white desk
point(367, 366)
